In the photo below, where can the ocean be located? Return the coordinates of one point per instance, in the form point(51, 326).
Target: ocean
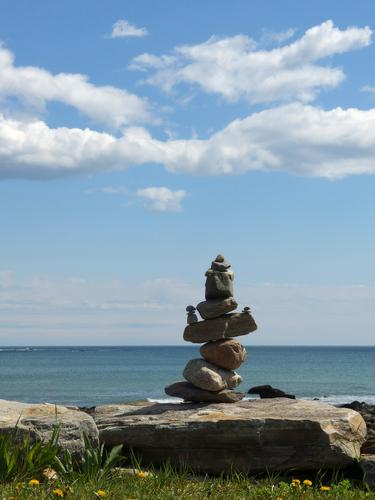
point(88, 376)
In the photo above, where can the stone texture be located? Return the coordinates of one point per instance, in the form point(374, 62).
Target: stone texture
point(189, 392)
point(219, 285)
point(227, 353)
point(210, 309)
point(267, 391)
point(39, 420)
point(209, 377)
point(229, 325)
point(220, 264)
point(249, 436)
point(367, 464)
point(368, 413)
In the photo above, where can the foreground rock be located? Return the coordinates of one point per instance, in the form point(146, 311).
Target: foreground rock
point(188, 392)
point(267, 391)
point(39, 420)
point(209, 377)
point(368, 413)
point(230, 325)
point(227, 353)
point(249, 436)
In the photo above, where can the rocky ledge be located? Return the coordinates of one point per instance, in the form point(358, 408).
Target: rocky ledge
point(39, 421)
point(249, 436)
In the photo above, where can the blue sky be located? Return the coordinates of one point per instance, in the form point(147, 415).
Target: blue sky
point(140, 139)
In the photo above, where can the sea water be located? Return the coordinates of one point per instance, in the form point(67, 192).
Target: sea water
point(88, 376)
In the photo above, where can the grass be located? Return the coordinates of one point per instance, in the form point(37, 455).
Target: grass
point(98, 475)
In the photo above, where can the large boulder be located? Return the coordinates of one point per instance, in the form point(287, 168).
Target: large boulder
point(229, 325)
point(210, 377)
point(188, 392)
point(249, 436)
point(227, 353)
point(210, 309)
point(367, 464)
point(39, 420)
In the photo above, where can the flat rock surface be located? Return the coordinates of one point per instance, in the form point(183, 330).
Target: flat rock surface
point(40, 419)
point(210, 309)
point(227, 326)
point(249, 436)
point(189, 392)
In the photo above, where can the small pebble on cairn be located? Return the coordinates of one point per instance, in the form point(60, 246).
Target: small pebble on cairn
point(212, 379)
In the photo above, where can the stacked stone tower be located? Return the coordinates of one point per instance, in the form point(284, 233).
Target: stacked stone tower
point(212, 378)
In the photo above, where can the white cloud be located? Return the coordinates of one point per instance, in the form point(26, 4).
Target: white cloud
point(108, 190)
point(35, 87)
point(77, 311)
point(300, 139)
point(162, 199)
point(124, 29)
point(269, 37)
point(368, 88)
point(235, 68)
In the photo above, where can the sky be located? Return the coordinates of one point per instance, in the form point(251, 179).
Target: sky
point(140, 139)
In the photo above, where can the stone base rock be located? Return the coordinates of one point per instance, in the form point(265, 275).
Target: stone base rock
point(230, 325)
point(267, 391)
point(248, 436)
point(227, 353)
point(188, 392)
point(209, 377)
point(210, 309)
point(39, 421)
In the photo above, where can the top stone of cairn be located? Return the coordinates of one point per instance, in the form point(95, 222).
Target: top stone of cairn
point(219, 280)
point(220, 264)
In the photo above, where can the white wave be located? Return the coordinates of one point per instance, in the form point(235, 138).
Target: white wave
point(332, 399)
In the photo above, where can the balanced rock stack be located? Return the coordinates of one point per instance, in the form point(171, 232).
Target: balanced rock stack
point(212, 378)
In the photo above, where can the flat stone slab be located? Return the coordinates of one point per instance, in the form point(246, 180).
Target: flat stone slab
point(39, 421)
point(189, 392)
point(248, 436)
point(230, 325)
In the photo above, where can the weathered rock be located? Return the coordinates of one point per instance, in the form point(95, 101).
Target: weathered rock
point(249, 436)
point(188, 392)
point(39, 421)
point(220, 264)
point(267, 391)
point(368, 413)
point(210, 309)
point(209, 377)
point(367, 464)
point(229, 325)
point(191, 316)
point(227, 353)
point(219, 285)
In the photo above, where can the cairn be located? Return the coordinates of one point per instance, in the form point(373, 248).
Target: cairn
point(212, 378)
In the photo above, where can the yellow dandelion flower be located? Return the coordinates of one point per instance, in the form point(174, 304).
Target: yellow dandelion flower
point(142, 474)
point(58, 492)
point(33, 482)
point(11, 498)
point(19, 486)
point(307, 482)
point(325, 488)
point(295, 483)
point(101, 493)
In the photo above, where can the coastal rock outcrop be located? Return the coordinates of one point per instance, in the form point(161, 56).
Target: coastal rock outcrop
point(39, 420)
point(247, 436)
point(267, 391)
point(221, 352)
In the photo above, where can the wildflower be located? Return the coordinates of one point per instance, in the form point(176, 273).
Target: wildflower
point(11, 498)
point(101, 493)
point(19, 486)
point(33, 482)
point(307, 482)
point(325, 488)
point(142, 474)
point(58, 492)
point(296, 483)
